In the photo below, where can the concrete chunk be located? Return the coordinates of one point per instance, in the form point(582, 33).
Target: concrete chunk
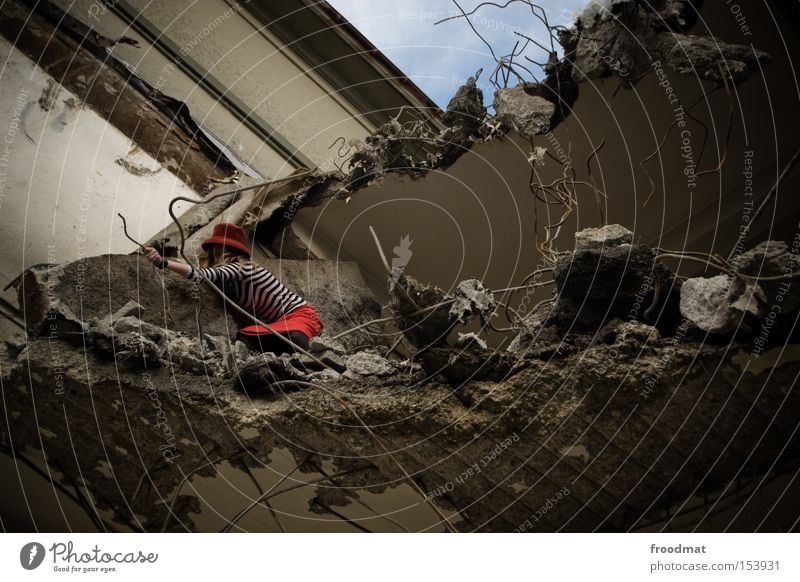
point(707, 304)
point(603, 238)
point(529, 115)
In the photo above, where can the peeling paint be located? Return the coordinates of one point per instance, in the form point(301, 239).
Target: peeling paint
point(248, 433)
point(137, 163)
point(23, 121)
point(518, 487)
point(67, 114)
point(579, 451)
point(49, 95)
point(104, 469)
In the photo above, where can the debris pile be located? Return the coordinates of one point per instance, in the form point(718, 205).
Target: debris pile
point(607, 276)
point(763, 289)
point(422, 312)
point(626, 37)
point(449, 416)
point(606, 387)
point(608, 280)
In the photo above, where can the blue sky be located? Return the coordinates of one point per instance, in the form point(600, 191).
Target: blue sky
point(440, 57)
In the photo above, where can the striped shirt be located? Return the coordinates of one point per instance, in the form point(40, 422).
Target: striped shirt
point(255, 289)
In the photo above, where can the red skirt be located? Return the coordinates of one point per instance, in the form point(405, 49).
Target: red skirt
point(305, 319)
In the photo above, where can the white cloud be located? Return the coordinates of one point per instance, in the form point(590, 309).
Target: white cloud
point(440, 57)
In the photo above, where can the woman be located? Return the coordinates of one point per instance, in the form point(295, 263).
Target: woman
point(253, 288)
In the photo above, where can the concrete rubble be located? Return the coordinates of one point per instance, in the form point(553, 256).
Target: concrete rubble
point(625, 38)
point(623, 334)
point(760, 290)
point(598, 239)
point(422, 328)
point(368, 363)
point(771, 259)
point(528, 114)
point(585, 299)
point(721, 305)
point(441, 412)
point(706, 302)
point(472, 298)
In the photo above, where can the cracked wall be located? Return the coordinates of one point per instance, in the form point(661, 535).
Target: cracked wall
point(67, 172)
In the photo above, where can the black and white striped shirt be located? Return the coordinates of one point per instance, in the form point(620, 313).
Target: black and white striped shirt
point(255, 289)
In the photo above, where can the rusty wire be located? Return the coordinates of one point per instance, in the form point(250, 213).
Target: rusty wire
point(506, 64)
point(125, 230)
point(660, 145)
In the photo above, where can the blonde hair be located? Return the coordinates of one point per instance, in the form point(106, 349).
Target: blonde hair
point(227, 258)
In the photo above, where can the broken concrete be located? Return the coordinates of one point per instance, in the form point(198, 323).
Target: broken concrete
point(539, 335)
point(423, 329)
point(96, 287)
point(762, 288)
point(465, 340)
point(772, 259)
point(534, 415)
point(585, 299)
point(464, 118)
point(469, 362)
point(604, 237)
point(427, 314)
point(626, 38)
point(393, 147)
point(702, 55)
point(131, 342)
point(471, 299)
point(542, 426)
point(336, 289)
point(269, 373)
point(369, 363)
point(527, 114)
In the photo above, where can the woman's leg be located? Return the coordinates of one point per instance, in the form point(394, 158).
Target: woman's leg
point(270, 343)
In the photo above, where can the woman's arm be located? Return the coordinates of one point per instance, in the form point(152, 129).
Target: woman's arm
point(181, 269)
point(213, 274)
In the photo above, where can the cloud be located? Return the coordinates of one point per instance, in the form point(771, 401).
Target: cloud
point(440, 57)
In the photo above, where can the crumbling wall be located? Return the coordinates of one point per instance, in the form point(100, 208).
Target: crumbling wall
point(129, 104)
point(613, 404)
point(576, 429)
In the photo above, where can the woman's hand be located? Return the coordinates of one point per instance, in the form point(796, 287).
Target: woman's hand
point(153, 256)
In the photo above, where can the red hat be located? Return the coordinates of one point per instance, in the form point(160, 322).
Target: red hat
point(230, 235)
